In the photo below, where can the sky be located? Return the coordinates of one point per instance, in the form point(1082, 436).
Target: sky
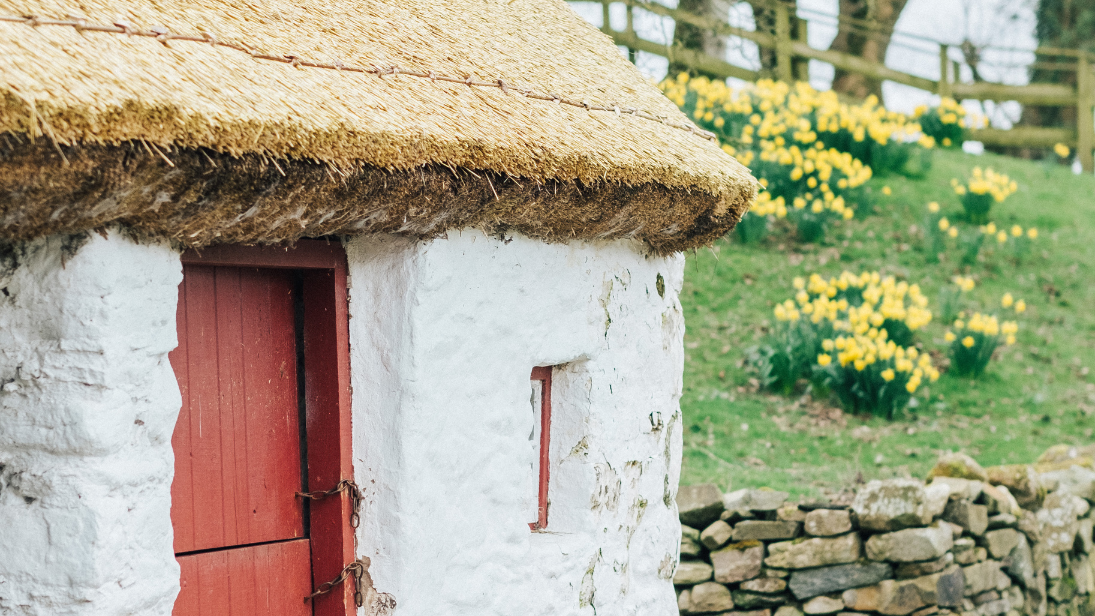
point(1007, 24)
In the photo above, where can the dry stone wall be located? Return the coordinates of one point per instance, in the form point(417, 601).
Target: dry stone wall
point(1009, 540)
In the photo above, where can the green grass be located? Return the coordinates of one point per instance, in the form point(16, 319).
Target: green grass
point(1035, 394)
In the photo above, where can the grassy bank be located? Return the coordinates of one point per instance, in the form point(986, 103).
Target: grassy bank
point(1035, 394)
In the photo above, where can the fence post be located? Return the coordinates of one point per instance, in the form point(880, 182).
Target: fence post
point(802, 65)
point(944, 72)
point(783, 44)
point(1085, 121)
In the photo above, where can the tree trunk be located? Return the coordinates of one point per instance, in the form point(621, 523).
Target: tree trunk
point(764, 16)
point(698, 39)
point(867, 43)
point(1068, 24)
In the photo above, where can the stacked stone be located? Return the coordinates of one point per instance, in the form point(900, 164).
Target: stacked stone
point(1006, 540)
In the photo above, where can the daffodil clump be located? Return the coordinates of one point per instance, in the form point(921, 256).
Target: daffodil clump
point(798, 113)
point(867, 300)
point(812, 150)
point(974, 340)
point(813, 182)
point(981, 190)
point(1016, 239)
point(870, 373)
point(950, 296)
point(753, 226)
point(938, 229)
point(946, 123)
point(852, 335)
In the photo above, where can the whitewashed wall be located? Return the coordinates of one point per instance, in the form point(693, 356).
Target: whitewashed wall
point(444, 335)
point(88, 402)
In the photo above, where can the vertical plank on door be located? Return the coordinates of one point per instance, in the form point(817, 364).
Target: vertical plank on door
point(270, 421)
point(231, 440)
point(201, 515)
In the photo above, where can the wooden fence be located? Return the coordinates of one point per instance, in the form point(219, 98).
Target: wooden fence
point(790, 53)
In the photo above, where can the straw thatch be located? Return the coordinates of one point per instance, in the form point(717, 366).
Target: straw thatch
point(202, 142)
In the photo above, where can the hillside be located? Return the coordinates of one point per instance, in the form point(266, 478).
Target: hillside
point(1036, 393)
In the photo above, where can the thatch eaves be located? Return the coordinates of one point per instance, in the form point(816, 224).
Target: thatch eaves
point(268, 121)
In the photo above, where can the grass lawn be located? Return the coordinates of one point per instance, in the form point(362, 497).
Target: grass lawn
point(1035, 394)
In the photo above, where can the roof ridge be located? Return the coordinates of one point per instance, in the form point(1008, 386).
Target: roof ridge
point(164, 35)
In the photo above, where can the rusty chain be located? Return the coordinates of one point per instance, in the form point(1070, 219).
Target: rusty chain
point(164, 36)
point(355, 571)
point(346, 485)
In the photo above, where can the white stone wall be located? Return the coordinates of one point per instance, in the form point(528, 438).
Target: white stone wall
point(443, 336)
point(88, 402)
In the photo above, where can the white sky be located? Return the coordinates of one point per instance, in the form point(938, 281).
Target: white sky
point(984, 22)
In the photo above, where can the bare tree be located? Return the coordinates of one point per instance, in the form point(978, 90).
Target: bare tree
point(990, 24)
point(700, 39)
point(866, 27)
point(1067, 24)
point(708, 42)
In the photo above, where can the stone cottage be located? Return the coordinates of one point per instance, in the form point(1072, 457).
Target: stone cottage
point(332, 308)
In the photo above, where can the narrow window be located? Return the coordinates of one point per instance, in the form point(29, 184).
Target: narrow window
point(541, 378)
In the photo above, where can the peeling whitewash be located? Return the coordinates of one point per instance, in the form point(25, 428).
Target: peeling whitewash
point(443, 337)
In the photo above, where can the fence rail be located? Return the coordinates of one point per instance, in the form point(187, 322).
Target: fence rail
point(791, 51)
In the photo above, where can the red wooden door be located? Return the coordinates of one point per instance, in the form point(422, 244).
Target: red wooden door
point(239, 528)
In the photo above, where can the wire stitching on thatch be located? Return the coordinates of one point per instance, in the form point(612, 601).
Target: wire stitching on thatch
point(164, 35)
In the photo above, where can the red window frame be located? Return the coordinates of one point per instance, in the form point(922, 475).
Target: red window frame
point(543, 374)
point(327, 396)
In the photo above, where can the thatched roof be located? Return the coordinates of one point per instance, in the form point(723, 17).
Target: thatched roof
point(209, 120)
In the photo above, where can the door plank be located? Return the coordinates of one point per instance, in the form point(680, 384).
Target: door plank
point(182, 492)
point(200, 419)
point(271, 408)
point(229, 350)
point(270, 579)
